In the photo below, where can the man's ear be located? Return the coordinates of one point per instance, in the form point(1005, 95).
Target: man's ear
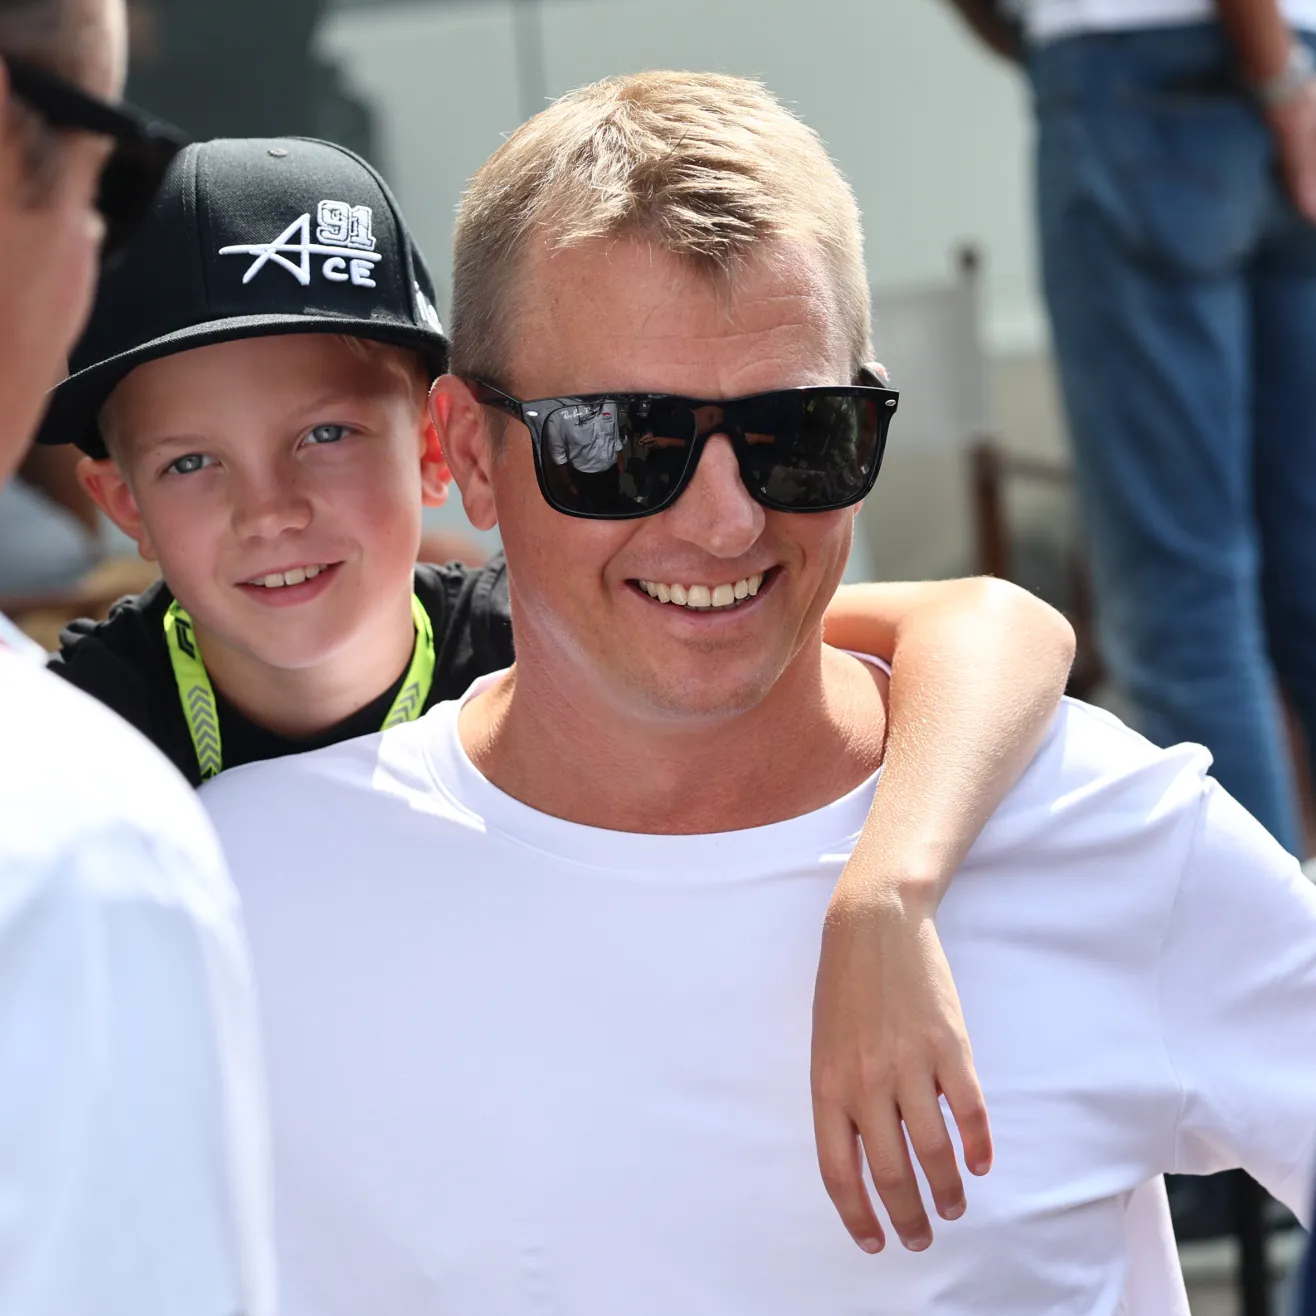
point(435, 477)
point(460, 423)
point(107, 488)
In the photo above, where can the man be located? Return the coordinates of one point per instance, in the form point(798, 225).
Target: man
point(1176, 178)
point(514, 1067)
point(132, 1137)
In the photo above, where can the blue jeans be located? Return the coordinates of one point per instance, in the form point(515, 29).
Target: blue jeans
point(1181, 286)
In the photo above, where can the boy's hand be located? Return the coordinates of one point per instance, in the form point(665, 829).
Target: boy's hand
point(888, 1039)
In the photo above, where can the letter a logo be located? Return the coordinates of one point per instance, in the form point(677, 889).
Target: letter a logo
point(344, 235)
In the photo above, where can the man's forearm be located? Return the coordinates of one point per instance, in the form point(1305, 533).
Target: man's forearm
point(1258, 33)
point(985, 18)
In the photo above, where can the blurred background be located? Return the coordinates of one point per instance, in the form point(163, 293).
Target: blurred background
point(935, 134)
point(932, 131)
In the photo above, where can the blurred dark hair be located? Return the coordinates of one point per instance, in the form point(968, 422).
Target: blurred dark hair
point(41, 32)
point(35, 30)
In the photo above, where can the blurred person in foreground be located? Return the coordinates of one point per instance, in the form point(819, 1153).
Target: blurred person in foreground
point(581, 905)
point(1176, 188)
point(132, 1136)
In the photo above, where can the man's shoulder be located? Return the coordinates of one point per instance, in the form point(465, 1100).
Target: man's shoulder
point(75, 776)
point(324, 782)
point(1096, 779)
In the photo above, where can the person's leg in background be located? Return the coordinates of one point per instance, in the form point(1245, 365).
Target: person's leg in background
point(1284, 370)
point(1153, 192)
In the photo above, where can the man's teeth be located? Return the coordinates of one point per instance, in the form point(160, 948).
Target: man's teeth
point(294, 577)
point(701, 597)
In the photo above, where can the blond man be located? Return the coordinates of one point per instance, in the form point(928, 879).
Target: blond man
point(536, 1081)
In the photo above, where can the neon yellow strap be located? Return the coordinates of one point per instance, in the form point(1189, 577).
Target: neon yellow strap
point(420, 675)
point(198, 695)
point(195, 690)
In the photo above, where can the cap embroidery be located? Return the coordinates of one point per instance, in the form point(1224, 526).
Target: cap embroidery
point(344, 235)
point(425, 309)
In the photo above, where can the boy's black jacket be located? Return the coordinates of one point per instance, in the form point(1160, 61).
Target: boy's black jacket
point(123, 662)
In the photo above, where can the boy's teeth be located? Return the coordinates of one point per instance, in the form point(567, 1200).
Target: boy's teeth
point(294, 577)
point(704, 597)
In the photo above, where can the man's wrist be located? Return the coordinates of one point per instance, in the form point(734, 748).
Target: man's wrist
point(1291, 81)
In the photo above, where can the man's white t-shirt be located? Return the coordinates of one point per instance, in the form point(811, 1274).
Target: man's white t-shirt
point(133, 1137)
point(521, 1066)
point(1047, 20)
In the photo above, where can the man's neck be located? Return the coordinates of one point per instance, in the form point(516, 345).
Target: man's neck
point(306, 701)
point(560, 748)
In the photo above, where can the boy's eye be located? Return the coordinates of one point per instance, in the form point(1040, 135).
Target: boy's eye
point(327, 434)
point(193, 461)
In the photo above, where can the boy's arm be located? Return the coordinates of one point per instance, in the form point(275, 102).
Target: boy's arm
point(978, 669)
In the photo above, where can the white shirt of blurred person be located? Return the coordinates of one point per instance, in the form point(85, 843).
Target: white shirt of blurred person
point(513, 1065)
point(584, 436)
point(133, 1142)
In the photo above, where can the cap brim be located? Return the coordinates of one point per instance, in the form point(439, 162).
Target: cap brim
point(75, 404)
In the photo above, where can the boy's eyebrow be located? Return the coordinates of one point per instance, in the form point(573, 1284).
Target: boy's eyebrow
point(334, 397)
point(145, 447)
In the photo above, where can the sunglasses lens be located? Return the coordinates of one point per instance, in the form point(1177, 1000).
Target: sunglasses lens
point(811, 451)
point(128, 187)
point(615, 457)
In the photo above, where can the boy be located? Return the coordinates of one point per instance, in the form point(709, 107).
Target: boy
point(251, 399)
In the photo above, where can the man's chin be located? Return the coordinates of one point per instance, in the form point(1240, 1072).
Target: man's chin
point(709, 694)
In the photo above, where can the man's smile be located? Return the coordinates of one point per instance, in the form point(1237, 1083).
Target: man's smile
point(707, 598)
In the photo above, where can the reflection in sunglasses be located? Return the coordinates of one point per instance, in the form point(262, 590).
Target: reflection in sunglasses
point(584, 437)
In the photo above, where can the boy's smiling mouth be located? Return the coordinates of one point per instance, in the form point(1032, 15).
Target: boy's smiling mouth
point(291, 585)
point(292, 576)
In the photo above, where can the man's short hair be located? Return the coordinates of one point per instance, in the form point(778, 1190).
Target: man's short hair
point(37, 30)
point(55, 35)
point(705, 166)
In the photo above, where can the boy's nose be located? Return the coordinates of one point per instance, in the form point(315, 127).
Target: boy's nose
point(269, 507)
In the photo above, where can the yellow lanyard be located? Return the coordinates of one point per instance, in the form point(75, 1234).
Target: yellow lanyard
point(198, 695)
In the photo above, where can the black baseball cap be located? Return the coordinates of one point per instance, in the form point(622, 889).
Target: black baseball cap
point(251, 237)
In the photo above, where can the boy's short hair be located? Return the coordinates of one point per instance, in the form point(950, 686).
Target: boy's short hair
point(704, 166)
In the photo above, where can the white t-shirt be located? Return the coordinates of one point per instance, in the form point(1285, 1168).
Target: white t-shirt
point(133, 1139)
point(521, 1066)
point(1048, 19)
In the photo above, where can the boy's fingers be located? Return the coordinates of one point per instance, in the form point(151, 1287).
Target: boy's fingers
point(969, 1109)
point(893, 1175)
point(926, 1127)
point(842, 1172)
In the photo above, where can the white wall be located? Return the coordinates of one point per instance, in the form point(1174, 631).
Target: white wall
point(931, 130)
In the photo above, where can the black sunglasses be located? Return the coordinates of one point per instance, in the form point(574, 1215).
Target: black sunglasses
point(620, 455)
point(143, 147)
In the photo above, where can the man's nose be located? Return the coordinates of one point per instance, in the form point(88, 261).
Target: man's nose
point(269, 503)
point(716, 512)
